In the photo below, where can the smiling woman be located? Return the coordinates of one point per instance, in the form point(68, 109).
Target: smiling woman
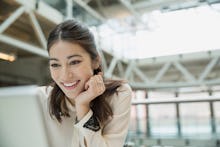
point(81, 107)
point(71, 67)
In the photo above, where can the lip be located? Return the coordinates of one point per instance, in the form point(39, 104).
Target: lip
point(70, 86)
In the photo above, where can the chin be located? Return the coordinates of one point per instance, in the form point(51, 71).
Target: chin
point(71, 96)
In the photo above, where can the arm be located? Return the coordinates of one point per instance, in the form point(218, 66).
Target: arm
point(114, 131)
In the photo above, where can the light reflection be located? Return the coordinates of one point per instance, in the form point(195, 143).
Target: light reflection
point(170, 33)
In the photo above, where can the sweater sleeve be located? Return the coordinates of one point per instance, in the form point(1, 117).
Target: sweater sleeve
point(114, 131)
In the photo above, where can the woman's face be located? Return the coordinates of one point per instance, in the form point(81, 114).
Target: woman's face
point(70, 67)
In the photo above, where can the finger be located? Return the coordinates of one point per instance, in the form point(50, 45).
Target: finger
point(97, 84)
point(99, 78)
point(103, 88)
point(87, 85)
point(97, 81)
point(96, 78)
point(100, 73)
point(100, 84)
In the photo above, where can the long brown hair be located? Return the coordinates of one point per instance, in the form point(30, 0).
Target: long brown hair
point(75, 32)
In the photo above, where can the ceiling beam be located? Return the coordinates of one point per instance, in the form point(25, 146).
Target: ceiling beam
point(37, 28)
point(132, 10)
point(90, 10)
point(162, 71)
point(188, 76)
point(11, 19)
point(156, 4)
point(24, 46)
point(167, 85)
point(208, 68)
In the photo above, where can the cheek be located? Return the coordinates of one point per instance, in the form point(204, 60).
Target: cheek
point(86, 72)
point(53, 74)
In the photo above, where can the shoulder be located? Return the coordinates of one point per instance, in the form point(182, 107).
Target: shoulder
point(124, 93)
point(44, 91)
point(124, 89)
point(121, 100)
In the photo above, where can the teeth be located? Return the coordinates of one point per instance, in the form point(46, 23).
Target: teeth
point(69, 84)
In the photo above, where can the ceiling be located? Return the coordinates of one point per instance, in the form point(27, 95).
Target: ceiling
point(96, 12)
point(23, 37)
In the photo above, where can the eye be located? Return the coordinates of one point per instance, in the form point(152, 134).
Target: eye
point(54, 65)
point(75, 62)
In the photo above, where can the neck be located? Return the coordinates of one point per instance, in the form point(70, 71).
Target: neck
point(71, 101)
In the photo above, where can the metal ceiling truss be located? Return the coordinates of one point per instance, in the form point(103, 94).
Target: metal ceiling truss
point(135, 71)
point(21, 44)
point(132, 10)
point(90, 10)
point(170, 5)
point(139, 79)
point(69, 9)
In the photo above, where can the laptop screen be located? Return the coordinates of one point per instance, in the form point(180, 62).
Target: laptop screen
point(21, 118)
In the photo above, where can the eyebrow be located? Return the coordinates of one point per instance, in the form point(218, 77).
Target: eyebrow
point(68, 57)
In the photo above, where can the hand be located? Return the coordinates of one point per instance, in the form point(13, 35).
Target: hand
point(93, 88)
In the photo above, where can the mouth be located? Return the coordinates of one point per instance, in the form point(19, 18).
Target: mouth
point(72, 85)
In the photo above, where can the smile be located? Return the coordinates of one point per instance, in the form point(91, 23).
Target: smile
point(72, 85)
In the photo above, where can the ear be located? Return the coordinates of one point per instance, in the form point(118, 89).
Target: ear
point(96, 62)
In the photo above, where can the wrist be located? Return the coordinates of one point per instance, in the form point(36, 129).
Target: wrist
point(81, 110)
point(82, 104)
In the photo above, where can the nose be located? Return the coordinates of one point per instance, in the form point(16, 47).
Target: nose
point(66, 74)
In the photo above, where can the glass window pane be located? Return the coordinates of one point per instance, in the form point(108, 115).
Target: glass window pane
point(195, 119)
point(217, 116)
point(162, 119)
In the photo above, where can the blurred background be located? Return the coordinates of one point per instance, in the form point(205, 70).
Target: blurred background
point(168, 51)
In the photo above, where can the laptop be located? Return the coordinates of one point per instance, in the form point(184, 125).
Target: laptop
point(21, 118)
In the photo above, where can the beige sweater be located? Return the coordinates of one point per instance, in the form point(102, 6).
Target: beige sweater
point(72, 134)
